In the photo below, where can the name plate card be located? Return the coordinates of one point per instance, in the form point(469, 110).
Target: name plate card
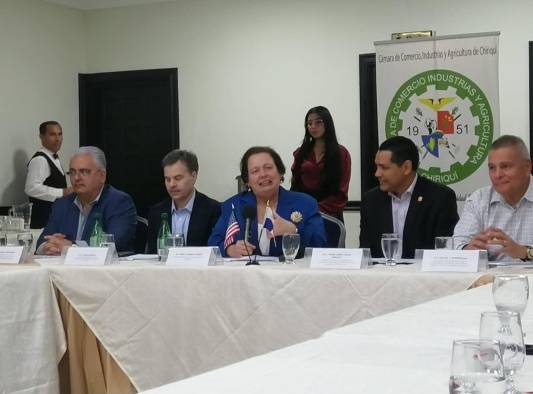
point(11, 254)
point(337, 258)
point(191, 256)
point(86, 256)
point(443, 260)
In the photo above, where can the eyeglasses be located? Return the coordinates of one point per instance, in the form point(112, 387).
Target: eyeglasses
point(83, 172)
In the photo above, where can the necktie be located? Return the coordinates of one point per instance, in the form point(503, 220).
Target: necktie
point(55, 156)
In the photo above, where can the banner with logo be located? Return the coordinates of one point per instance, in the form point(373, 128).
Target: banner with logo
point(442, 93)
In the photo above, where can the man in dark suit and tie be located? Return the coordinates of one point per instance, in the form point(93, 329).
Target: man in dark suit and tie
point(412, 206)
point(190, 212)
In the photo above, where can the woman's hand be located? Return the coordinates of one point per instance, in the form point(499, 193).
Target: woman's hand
point(282, 226)
point(240, 249)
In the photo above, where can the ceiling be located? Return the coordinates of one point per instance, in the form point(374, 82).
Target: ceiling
point(99, 4)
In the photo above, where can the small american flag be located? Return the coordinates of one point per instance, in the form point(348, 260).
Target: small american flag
point(232, 230)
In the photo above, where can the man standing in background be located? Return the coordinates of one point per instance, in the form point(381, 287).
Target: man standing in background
point(45, 179)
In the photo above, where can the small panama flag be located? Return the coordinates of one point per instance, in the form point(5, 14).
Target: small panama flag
point(232, 230)
point(269, 224)
point(445, 122)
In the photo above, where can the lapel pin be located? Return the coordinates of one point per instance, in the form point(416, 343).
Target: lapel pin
point(420, 198)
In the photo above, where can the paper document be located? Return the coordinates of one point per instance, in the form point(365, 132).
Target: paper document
point(142, 257)
point(254, 257)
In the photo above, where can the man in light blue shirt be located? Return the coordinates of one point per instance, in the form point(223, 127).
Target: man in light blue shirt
point(499, 218)
point(191, 213)
point(182, 216)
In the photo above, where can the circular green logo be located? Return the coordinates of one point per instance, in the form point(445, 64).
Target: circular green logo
point(448, 118)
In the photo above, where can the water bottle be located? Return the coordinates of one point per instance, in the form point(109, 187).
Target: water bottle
point(164, 232)
point(97, 231)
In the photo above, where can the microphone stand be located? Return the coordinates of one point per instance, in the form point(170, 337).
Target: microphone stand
point(254, 261)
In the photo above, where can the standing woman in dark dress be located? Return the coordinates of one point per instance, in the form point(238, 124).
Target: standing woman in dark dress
point(322, 167)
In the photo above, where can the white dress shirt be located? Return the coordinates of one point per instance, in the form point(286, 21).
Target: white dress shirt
point(38, 171)
point(400, 206)
point(264, 241)
point(487, 208)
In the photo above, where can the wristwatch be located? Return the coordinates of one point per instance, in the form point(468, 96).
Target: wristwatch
point(529, 253)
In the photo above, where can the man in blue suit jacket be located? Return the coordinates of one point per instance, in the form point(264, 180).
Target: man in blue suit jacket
point(72, 217)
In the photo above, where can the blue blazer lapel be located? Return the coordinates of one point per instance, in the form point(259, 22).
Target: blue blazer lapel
point(284, 209)
point(72, 220)
point(97, 207)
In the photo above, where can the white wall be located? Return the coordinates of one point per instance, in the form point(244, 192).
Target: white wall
point(43, 49)
point(249, 70)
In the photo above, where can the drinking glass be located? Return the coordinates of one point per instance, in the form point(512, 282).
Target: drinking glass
point(13, 224)
point(444, 243)
point(391, 245)
point(510, 293)
point(290, 244)
point(493, 251)
point(506, 328)
point(477, 367)
point(22, 211)
point(108, 241)
point(25, 239)
point(170, 241)
point(175, 241)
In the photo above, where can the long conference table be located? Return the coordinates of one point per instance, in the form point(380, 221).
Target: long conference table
point(32, 340)
point(407, 351)
point(162, 324)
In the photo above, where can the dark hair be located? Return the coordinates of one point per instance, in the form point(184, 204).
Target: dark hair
point(43, 126)
point(261, 149)
point(511, 141)
point(186, 157)
point(402, 149)
point(331, 178)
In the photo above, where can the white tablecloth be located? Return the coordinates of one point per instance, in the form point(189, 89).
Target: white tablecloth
point(408, 351)
point(32, 340)
point(162, 324)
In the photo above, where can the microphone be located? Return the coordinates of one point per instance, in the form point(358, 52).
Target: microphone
point(249, 212)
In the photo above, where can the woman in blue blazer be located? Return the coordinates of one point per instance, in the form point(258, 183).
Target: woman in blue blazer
point(262, 170)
